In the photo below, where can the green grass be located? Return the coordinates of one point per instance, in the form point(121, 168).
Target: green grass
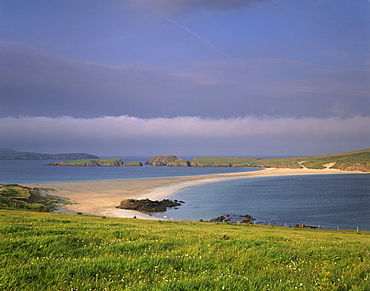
point(13, 196)
point(223, 160)
point(47, 251)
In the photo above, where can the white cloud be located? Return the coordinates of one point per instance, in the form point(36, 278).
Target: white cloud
point(118, 132)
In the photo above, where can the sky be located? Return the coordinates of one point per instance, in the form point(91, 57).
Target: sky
point(186, 77)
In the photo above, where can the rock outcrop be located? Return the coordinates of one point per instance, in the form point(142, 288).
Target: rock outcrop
point(305, 226)
point(178, 163)
point(158, 161)
point(133, 164)
point(146, 205)
point(232, 219)
point(364, 166)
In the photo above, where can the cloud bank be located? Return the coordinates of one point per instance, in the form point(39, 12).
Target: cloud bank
point(187, 135)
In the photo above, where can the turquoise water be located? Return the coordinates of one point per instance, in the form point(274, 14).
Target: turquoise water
point(325, 200)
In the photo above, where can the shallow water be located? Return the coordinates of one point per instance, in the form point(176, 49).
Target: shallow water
point(325, 200)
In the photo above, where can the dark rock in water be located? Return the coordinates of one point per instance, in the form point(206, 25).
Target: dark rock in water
point(247, 218)
point(146, 205)
point(305, 226)
point(218, 219)
point(233, 218)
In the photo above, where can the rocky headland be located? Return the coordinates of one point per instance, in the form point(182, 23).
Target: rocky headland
point(351, 161)
point(133, 164)
point(158, 161)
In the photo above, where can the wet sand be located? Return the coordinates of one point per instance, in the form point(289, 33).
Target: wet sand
point(101, 197)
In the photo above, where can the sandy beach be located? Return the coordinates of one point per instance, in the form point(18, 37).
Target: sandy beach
point(102, 197)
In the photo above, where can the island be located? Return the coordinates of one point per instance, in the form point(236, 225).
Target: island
point(8, 154)
point(116, 162)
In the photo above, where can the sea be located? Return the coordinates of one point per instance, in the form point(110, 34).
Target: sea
point(324, 201)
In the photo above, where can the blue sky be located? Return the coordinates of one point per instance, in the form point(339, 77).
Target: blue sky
point(186, 77)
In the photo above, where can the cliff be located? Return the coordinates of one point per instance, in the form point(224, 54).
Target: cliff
point(133, 164)
point(157, 161)
point(178, 163)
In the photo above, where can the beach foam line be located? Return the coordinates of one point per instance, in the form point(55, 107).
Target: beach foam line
point(101, 197)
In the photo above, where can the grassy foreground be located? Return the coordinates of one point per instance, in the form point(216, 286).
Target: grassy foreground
point(47, 251)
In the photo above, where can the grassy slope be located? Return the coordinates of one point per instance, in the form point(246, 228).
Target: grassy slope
point(14, 196)
point(46, 251)
point(357, 160)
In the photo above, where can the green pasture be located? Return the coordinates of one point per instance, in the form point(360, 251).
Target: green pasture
point(47, 251)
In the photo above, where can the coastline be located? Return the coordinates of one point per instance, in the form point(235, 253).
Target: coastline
point(101, 197)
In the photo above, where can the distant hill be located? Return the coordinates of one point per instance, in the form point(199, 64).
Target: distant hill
point(4, 152)
point(351, 161)
point(8, 154)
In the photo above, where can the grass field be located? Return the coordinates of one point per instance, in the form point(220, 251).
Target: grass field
point(47, 251)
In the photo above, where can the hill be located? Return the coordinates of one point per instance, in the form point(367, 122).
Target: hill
point(8, 154)
point(13, 196)
point(351, 161)
point(90, 163)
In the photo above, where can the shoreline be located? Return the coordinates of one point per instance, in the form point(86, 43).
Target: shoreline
point(101, 197)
